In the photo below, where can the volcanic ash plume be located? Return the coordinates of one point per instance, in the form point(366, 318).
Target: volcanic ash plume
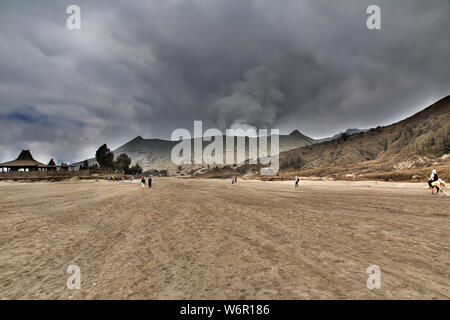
point(253, 102)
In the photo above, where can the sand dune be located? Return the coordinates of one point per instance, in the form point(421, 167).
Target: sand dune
point(208, 239)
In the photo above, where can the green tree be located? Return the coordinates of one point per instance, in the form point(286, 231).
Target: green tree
point(64, 166)
point(344, 136)
point(104, 157)
point(385, 145)
point(85, 165)
point(446, 143)
point(136, 169)
point(122, 162)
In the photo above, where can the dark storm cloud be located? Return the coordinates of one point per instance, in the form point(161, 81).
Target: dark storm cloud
point(148, 67)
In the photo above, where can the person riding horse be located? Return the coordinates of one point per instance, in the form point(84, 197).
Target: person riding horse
point(437, 183)
point(434, 177)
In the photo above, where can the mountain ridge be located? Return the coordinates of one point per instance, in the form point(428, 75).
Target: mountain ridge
point(155, 154)
point(416, 142)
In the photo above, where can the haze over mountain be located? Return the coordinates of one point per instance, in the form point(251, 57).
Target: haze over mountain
point(348, 132)
point(155, 154)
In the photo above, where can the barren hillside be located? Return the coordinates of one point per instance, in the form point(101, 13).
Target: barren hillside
point(417, 142)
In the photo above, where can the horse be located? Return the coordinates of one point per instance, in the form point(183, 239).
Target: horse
point(440, 185)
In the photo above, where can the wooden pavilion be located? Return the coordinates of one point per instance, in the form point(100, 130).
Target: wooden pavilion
point(25, 162)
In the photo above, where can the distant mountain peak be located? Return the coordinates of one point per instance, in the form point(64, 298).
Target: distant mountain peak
point(136, 141)
point(295, 133)
point(138, 138)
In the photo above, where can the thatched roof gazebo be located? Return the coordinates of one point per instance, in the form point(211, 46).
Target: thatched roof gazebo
point(24, 161)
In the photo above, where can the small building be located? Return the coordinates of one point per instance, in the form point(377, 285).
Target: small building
point(26, 162)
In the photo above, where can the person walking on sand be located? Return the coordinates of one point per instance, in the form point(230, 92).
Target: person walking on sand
point(143, 182)
point(149, 182)
point(297, 179)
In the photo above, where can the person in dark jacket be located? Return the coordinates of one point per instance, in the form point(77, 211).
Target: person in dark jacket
point(434, 177)
point(143, 182)
point(149, 182)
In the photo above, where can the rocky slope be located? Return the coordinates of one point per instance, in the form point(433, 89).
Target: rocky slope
point(420, 141)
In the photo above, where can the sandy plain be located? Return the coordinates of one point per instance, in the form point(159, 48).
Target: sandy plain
point(209, 239)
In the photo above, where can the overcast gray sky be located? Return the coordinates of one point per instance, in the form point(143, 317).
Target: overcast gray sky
point(148, 67)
